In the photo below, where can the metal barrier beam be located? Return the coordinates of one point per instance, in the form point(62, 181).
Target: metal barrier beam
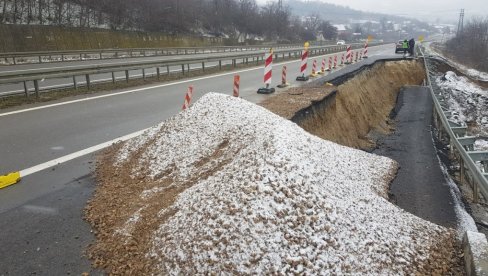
point(478, 177)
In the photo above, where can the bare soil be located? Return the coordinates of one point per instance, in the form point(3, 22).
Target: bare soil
point(361, 105)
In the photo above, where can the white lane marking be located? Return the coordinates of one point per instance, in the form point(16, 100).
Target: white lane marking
point(74, 155)
point(40, 210)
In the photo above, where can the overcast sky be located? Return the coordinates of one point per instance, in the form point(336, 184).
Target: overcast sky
point(423, 9)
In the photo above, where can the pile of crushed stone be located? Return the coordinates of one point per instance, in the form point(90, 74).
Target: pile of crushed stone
point(229, 187)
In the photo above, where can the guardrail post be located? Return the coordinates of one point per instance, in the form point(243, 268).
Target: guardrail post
point(203, 66)
point(62, 57)
point(188, 68)
point(40, 59)
point(158, 73)
point(247, 61)
point(234, 63)
point(167, 69)
point(88, 84)
point(220, 65)
point(15, 62)
point(75, 84)
point(143, 74)
point(183, 69)
point(127, 76)
point(186, 52)
point(476, 195)
point(36, 87)
point(26, 90)
point(100, 55)
point(113, 77)
point(131, 53)
point(81, 57)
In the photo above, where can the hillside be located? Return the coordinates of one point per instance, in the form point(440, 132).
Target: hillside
point(334, 13)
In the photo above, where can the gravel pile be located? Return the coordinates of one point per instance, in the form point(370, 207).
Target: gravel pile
point(229, 187)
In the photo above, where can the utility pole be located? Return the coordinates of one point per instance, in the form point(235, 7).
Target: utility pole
point(280, 5)
point(460, 23)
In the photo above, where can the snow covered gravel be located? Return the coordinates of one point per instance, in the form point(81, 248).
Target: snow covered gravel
point(259, 195)
point(467, 101)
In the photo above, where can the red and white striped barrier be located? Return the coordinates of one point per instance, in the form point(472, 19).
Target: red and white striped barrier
point(268, 68)
point(348, 54)
point(330, 64)
point(303, 66)
point(335, 61)
point(342, 59)
point(323, 66)
point(283, 78)
point(314, 68)
point(237, 80)
point(357, 56)
point(188, 96)
point(268, 71)
point(366, 50)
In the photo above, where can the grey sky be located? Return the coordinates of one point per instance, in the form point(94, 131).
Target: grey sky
point(422, 9)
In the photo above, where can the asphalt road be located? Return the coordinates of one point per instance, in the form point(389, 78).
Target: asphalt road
point(420, 186)
point(41, 217)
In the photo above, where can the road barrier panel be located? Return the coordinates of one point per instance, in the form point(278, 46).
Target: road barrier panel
point(188, 96)
point(349, 55)
point(268, 73)
point(314, 69)
point(303, 65)
point(237, 80)
point(365, 50)
point(283, 83)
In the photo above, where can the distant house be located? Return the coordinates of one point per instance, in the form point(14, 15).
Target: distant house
point(341, 29)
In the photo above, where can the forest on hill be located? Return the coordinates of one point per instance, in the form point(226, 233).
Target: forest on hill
point(236, 19)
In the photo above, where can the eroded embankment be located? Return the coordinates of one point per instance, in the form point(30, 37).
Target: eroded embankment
point(355, 109)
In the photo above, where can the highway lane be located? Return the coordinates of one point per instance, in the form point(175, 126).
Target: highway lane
point(41, 217)
point(34, 137)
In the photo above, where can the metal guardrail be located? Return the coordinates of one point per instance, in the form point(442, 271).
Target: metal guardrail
point(86, 70)
point(130, 52)
point(461, 144)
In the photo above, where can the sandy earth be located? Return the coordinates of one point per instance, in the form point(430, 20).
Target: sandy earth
point(229, 187)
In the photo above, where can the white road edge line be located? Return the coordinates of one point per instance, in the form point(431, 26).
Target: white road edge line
point(74, 155)
point(151, 87)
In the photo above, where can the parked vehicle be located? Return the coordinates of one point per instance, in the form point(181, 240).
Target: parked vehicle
point(341, 42)
point(399, 47)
